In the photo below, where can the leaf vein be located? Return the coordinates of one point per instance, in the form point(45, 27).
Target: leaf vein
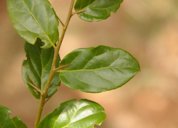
point(109, 81)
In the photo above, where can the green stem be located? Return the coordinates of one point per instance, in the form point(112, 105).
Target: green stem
point(53, 67)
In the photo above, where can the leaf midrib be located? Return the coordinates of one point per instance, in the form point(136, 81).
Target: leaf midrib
point(71, 117)
point(91, 70)
point(84, 118)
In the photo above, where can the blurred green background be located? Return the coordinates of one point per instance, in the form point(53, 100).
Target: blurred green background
point(146, 28)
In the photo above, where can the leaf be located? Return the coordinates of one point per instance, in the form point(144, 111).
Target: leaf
point(98, 69)
point(34, 19)
point(75, 114)
point(96, 10)
point(36, 68)
point(6, 121)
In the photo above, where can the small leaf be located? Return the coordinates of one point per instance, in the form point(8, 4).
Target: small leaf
point(6, 121)
point(75, 114)
point(34, 19)
point(37, 67)
point(96, 10)
point(98, 69)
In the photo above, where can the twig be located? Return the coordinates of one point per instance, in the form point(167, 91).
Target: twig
point(53, 67)
point(61, 21)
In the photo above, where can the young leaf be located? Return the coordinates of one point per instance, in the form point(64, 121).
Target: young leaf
point(6, 121)
point(98, 69)
point(34, 19)
point(75, 114)
point(96, 10)
point(37, 67)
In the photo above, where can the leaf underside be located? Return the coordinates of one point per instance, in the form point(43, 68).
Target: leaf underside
point(34, 19)
point(75, 114)
point(96, 10)
point(36, 68)
point(6, 121)
point(98, 69)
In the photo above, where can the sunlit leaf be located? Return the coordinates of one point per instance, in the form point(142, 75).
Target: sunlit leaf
point(98, 69)
point(34, 19)
point(75, 114)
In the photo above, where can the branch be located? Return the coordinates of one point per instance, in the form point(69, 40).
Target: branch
point(53, 67)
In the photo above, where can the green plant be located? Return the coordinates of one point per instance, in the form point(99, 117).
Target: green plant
point(90, 70)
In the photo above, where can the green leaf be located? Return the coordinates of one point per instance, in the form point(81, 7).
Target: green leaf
point(6, 121)
point(98, 69)
point(75, 114)
point(36, 69)
point(34, 19)
point(96, 10)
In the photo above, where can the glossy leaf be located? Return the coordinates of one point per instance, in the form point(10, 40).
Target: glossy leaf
point(98, 69)
point(36, 68)
point(7, 121)
point(75, 114)
point(96, 10)
point(34, 19)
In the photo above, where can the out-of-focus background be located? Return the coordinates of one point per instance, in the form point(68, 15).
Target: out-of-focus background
point(146, 28)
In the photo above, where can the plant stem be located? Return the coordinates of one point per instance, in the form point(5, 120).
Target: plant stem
point(61, 22)
point(53, 67)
